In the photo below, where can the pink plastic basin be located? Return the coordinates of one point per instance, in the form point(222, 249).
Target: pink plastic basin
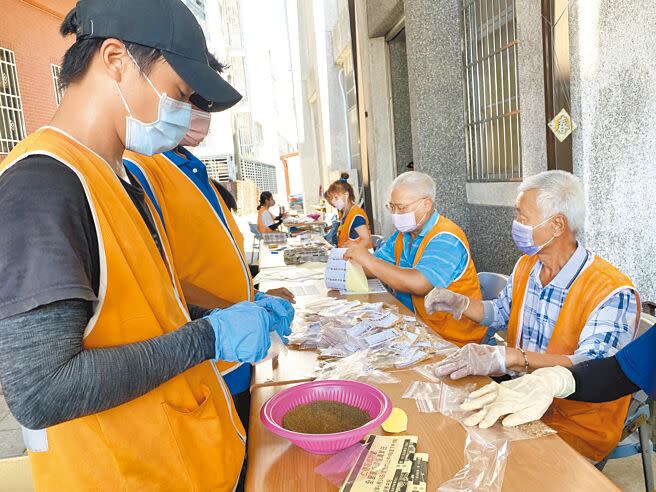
point(360, 395)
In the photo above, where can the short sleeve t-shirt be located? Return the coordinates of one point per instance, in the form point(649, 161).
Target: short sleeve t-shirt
point(267, 218)
point(358, 221)
point(48, 242)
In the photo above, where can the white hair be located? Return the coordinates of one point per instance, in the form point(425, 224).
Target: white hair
point(420, 184)
point(559, 192)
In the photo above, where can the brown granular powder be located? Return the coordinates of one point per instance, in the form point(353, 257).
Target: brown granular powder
point(324, 417)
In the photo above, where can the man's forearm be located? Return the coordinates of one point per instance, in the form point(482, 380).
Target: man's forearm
point(515, 360)
point(48, 377)
point(475, 311)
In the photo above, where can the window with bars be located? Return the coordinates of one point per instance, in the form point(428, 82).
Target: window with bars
point(264, 175)
point(56, 72)
point(492, 110)
point(237, 76)
point(12, 123)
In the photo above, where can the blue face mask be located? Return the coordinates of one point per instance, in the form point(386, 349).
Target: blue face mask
point(163, 134)
point(523, 237)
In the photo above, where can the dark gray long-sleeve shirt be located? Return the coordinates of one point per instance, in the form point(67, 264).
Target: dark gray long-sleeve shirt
point(49, 277)
point(48, 378)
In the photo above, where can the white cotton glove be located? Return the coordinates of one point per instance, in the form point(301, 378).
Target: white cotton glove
point(473, 360)
point(443, 300)
point(523, 399)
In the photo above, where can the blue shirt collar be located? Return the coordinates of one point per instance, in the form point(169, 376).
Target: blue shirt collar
point(430, 223)
point(175, 157)
point(570, 271)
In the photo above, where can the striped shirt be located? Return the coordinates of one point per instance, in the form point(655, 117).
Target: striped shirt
point(610, 327)
point(443, 261)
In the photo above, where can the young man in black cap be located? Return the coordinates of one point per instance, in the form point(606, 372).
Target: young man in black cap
point(99, 359)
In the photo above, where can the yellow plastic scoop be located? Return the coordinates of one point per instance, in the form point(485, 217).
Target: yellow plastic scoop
point(396, 422)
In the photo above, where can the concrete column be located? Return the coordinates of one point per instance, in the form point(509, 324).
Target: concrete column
point(435, 74)
point(530, 64)
point(378, 142)
point(613, 84)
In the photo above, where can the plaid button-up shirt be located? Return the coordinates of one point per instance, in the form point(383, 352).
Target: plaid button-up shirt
point(608, 329)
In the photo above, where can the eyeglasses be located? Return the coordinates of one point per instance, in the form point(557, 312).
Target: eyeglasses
point(400, 207)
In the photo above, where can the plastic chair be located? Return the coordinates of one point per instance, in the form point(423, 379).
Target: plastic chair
point(636, 433)
point(376, 240)
point(491, 285)
point(256, 240)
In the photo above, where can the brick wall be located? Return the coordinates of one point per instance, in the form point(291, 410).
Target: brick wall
point(31, 30)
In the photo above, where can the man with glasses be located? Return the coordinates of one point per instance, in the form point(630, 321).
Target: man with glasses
point(427, 251)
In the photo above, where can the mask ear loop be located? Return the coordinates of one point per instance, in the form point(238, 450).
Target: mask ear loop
point(142, 72)
point(125, 103)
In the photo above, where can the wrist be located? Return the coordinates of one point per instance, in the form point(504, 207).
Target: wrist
point(208, 338)
point(514, 359)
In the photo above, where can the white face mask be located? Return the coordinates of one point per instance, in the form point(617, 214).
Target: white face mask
point(406, 222)
point(165, 133)
point(339, 204)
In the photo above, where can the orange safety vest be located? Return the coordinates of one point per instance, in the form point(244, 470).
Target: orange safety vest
point(260, 224)
point(463, 331)
point(593, 429)
point(344, 230)
point(209, 257)
point(182, 435)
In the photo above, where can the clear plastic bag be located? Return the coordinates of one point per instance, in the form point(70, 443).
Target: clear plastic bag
point(356, 367)
point(277, 347)
point(336, 468)
point(439, 397)
point(484, 469)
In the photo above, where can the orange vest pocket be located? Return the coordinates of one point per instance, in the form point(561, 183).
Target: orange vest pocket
point(201, 438)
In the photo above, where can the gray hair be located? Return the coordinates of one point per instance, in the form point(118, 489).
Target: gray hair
point(559, 192)
point(421, 184)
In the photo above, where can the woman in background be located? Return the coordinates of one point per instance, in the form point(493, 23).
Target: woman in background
point(354, 224)
point(265, 221)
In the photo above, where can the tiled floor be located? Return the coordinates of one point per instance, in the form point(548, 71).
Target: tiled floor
point(11, 440)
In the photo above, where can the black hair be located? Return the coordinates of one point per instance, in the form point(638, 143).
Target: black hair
point(341, 186)
point(79, 56)
point(228, 198)
point(264, 196)
point(215, 64)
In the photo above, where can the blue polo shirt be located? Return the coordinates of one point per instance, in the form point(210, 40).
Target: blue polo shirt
point(444, 260)
point(239, 379)
point(638, 361)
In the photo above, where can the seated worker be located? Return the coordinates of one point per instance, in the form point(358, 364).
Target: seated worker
point(353, 221)
point(206, 243)
point(265, 221)
point(562, 305)
point(428, 251)
point(598, 380)
point(102, 361)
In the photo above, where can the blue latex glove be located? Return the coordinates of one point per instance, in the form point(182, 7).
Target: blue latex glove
point(241, 332)
point(281, 312)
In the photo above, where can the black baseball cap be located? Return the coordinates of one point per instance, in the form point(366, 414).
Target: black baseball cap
point(169, 26)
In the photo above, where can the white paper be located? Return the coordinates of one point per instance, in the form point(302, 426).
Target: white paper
point(305, 290)
point(375, 287)
point(381, 337)
point(385, 320)
point(359, 329)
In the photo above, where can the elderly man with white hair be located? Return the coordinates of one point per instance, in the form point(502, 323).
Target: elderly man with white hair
point(428, 250)
point(562, 305)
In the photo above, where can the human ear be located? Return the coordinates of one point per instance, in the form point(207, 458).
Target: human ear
point(113, 56)
point(559, 225)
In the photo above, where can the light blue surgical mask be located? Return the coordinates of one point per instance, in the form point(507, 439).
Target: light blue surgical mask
point(163, 134)
point(523, 237)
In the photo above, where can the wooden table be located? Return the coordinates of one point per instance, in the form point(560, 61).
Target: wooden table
point(544, 464)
